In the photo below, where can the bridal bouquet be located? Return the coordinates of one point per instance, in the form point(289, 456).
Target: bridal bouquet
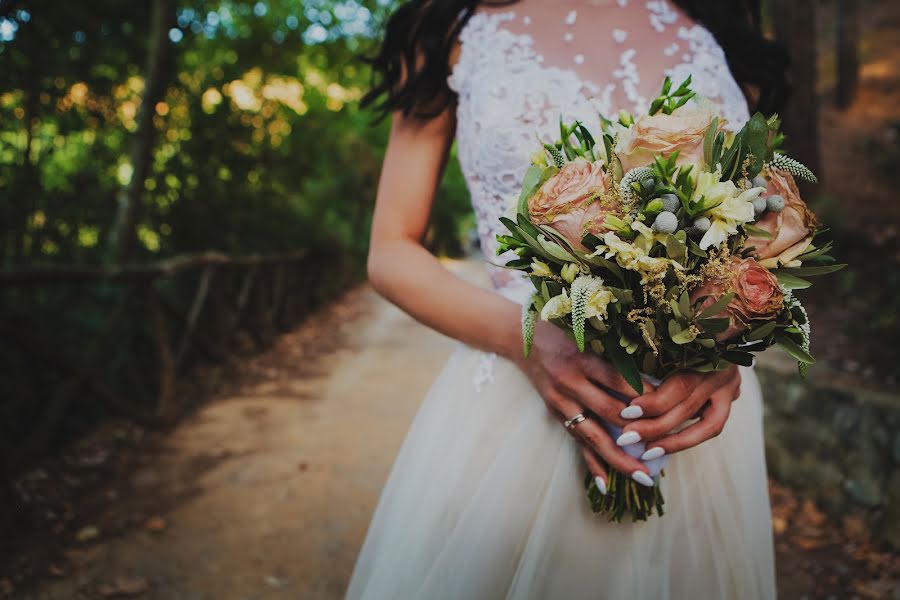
point(669, 244)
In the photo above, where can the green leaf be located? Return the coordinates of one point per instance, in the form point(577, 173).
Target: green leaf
point(529, 184)
point(757, 232)
point(709, 140)
point(717, 307)
point(623, 362)
point(675, 250)
point(685, 336)
point(810, 271)
point(791, 282)
point(684, 304)
point(745, 359)
point(713, 326)
point(757, 140)
point(761, 332)
point(794, 349)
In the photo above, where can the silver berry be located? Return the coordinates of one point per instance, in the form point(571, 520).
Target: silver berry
point(649, 184)
point(759, 205)
point(666, 222)
point(670, 202)
point(775, 203)
point(760, 181)
point(702, 224)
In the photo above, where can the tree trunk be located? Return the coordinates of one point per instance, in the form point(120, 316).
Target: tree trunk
point(795, 27)
point(156, 74)
point(847, 52)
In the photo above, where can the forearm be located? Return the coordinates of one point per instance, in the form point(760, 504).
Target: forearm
point(412, 278)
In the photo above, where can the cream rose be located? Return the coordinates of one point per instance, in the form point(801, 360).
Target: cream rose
point(757, 296)
point(791, 229)
point(568, 202)
point(650, 135)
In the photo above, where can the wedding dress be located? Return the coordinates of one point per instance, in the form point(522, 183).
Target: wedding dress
point(486, 497)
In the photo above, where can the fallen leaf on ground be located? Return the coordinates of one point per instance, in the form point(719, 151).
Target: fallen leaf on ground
point(156, 524)
point(124, 586)
point(86, 534)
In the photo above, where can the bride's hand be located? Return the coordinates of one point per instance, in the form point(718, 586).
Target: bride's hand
point(679, 398)
point(568, 381)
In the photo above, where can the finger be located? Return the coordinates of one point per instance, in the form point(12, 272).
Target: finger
point(604, 374)
point(670, 393)
point(599, 402)
point(564, 406)
point(711, 423)
point(595, 437)
point(596, 469)
point(677, 388)
point(655, 428)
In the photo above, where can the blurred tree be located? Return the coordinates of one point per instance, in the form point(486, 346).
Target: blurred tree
point(847, 14)
point(156, 77)
point(795, 28)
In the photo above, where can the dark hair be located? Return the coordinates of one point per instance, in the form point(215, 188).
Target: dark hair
point(411, 67)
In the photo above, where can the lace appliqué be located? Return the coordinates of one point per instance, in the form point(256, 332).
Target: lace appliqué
point(509, 98)
point(484, 372)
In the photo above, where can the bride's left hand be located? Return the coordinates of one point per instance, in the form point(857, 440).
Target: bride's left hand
point(679, 398)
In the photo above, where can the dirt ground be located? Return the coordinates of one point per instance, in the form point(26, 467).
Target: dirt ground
point(266, 492)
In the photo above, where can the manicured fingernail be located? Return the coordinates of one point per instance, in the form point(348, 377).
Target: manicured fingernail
point(653, 453)
point(632, 412)
point(601, 485)
point(629, 437)
point(642, 478)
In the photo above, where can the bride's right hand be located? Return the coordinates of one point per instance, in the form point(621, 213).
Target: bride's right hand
point(570, 383)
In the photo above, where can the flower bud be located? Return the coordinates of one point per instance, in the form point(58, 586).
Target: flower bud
point(569, 272)
point(670, 202)
point(665, 222)
point(775, 203)
point(540, 268)
point(539, 158)
point(759, 205)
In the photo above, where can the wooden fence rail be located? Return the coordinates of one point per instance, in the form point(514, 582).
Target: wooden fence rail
point(190, 307)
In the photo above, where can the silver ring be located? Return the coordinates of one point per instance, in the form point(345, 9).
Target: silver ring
point(572, 423)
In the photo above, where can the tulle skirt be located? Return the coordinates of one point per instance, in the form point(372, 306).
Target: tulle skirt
point(486, 501)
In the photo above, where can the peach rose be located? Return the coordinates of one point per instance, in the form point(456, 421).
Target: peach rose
point(757, 295)
point(567, 201)
point(683, 130)
point(791, 229)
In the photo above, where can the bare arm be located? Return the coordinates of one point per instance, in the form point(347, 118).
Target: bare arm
point(403, 271)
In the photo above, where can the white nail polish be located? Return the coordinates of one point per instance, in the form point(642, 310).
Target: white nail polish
point(653, 453)
point(642, 478)
point(601, 485)
point(629, 437)
point(632, 412)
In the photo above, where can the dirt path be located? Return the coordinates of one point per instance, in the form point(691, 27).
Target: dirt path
point(277, 481)
point(266, 492)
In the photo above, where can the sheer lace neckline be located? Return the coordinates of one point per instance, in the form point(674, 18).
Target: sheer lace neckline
point(519, 71)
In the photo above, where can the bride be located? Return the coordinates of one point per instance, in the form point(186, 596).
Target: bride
point(486, 498)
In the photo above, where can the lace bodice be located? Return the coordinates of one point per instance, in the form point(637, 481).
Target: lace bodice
point(518, 70)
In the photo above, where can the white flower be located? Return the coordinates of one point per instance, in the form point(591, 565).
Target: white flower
point(729, 206)
point(569, 272)
point(633, 257)
point(557, 307)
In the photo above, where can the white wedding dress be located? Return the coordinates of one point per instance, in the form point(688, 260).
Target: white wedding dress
point(486, 498)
